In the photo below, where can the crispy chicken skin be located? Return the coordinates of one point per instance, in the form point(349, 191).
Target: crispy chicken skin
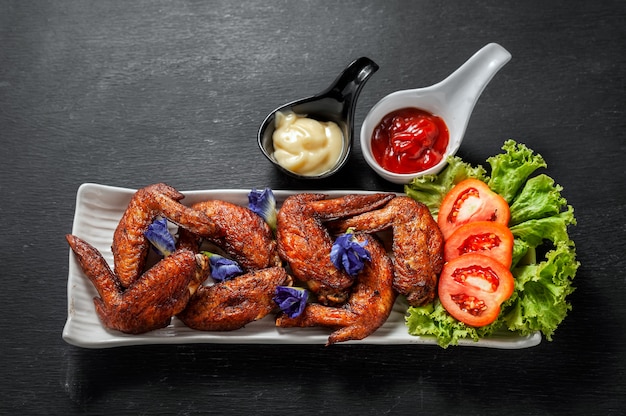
point(151, 301)
point(231, 304)
point(130, 246)
point(417, 245)
point(367, 309)
point(134, 300)
point(304, 242)
point(244, 235)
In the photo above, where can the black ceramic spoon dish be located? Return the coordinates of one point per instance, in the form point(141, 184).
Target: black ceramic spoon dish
point(337, 104)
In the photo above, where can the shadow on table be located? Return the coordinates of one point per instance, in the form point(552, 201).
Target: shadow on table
point(369, 379)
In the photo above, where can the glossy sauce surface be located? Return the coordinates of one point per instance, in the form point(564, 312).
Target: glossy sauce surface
point(306, 146)
point(409, 140)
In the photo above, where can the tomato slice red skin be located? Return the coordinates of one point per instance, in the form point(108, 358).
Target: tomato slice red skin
point(485, 237)
point(489, 295)
point(468, 201)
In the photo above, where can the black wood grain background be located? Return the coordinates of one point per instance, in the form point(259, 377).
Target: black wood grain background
point(132, 93)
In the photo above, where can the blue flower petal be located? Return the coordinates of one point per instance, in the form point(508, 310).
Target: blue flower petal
point(223, 268)
point(159, 236)
point(263, 203)
point(291, 300)
point(348, 254)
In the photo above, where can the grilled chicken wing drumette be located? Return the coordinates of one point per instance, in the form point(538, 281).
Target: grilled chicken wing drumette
point(367, 309)
point(244, 235)
point(305, 244)
point(417, 245)
point(149, 302)
point(130, 245)
point(232, 304)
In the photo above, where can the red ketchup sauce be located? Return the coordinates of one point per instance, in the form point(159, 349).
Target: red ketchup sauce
point(409, 140)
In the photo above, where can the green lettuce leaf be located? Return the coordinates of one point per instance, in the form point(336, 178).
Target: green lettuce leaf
point(539, 198)
point(433, 320)
point(522, 253)
point(510, 170)
point(539, 302)
point(536, 232)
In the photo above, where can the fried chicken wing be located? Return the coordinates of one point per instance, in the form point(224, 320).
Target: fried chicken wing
point(244, 235)
point(231, 304)
point(367, 309)
point(149, 302)
point(129, 242)
point(417, 245)
point(304, 242)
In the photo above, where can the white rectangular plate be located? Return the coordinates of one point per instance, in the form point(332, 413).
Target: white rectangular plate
point(99, 209)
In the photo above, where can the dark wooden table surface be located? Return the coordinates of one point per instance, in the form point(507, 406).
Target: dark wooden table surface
point(132, 93)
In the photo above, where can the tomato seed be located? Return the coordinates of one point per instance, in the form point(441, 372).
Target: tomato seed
point(470, 304)
point(461, 275)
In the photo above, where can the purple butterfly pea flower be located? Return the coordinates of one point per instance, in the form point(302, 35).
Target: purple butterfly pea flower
point(263, 203)
point(348, 254)
point(159, 236)
point(223, 268)
point(291, 300)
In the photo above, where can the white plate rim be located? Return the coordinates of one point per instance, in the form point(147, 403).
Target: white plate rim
point(99, 208)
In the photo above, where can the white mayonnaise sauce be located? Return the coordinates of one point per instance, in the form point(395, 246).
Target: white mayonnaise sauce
point(305, 146)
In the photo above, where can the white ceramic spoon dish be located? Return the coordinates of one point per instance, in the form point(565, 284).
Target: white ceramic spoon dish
point(452, 99)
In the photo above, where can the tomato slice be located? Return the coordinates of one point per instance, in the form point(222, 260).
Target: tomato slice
point(471, 200)
point(485, 237)
point(472, 288)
